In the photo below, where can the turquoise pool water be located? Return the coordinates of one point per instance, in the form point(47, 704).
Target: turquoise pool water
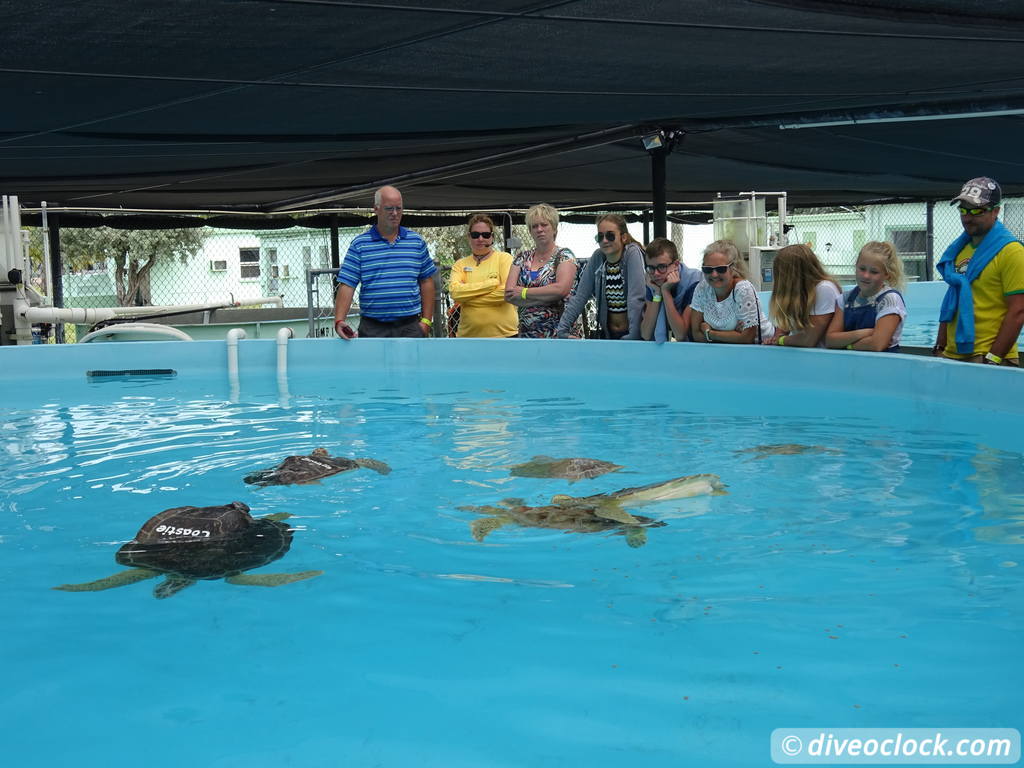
point(873, 581)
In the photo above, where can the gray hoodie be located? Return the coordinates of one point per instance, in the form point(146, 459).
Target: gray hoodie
point(591, 285)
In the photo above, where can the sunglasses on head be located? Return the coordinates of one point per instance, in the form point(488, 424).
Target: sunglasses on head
point(974, 211)
point(484, 235)
point(717, 270)
point(659, 268)
point(609, 236)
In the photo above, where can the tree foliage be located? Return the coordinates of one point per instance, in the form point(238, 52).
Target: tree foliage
point(133, 254)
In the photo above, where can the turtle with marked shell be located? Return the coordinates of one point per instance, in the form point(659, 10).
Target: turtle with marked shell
point(571, 469)
point(187, 544)
point(591, 514)
point(302, 470)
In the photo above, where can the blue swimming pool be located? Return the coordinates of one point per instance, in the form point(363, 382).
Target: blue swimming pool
point(870, 577)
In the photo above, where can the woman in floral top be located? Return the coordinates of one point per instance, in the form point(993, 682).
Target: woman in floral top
point(725, 307)
point(542, 277)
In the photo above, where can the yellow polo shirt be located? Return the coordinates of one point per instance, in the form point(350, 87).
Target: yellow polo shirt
point(480, 290)
point(1003, 276)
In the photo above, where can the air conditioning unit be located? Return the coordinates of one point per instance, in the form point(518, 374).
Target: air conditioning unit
point(218, 265)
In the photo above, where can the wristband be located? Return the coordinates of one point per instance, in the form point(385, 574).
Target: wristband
point(707, 335)
point(427, 321)
point(523, 294)
point(993, 358)
point(849, 346)
point(656, 297)
point(782, 341)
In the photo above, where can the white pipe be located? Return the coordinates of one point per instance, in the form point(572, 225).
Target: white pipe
point(282, 351)
point(232, 339)
point(154, 329)
point(283, 335)
point(260, 300)
point(98, 314)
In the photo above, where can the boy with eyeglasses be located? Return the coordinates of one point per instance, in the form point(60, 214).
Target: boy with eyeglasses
point(670, 285)
point(984, 268)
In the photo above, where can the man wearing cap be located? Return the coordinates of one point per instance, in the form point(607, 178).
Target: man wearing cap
point(395, 270)
point(983, 309)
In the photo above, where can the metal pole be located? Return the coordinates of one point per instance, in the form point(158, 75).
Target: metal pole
point(929, 242)
point(57, 269)
point(647, 227)
point(335, 249)
point(658, 192)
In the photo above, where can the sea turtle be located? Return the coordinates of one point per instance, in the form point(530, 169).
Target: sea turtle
point(572, 469)
point(191, 543)
point(319, 464)
point(600, 512)
point(785, 449)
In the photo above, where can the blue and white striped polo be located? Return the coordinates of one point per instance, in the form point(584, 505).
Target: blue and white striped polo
point(388, 273)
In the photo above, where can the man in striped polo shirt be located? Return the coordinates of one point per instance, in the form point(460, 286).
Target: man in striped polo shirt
point(395, 272)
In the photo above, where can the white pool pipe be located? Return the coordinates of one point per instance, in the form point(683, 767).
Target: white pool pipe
point(156, 331)
point(283, 334)
point(233, 337)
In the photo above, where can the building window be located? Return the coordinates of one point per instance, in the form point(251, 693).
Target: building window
point(912, 247)
point(325, 257)
point(249, 259)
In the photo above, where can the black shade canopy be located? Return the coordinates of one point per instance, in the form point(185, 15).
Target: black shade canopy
point(257, 104)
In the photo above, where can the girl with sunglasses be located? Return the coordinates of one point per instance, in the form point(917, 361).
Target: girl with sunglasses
point(478, 285)
point(614, 278)
point(804, 298)
point(725, 306)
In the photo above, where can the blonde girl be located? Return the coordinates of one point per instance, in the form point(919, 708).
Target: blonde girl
point(804, 298)
point(871, 314)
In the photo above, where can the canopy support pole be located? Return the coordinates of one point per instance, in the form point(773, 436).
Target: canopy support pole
point(658, 192)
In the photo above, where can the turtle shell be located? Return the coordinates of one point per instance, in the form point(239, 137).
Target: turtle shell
point(206, 542)
point(303, 469)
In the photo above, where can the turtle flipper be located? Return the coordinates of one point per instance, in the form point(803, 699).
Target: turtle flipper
point(269, 579)
point(376, 466)
point(635, 536)
point(119, 579)
point(263, 477)
point(611, 510)
point(277, 516)
point(483, 526)
point(172, 585)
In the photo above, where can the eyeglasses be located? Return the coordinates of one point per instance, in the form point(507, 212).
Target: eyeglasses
point(974, 211)
point(484, 235)
point(716, 270)
point(391, 208)
point(609, 236)
point(661, 269)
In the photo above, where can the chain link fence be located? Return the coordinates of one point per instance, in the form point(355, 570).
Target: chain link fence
point(109, 267)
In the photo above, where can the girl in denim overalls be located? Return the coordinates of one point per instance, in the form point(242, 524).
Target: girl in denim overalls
point(870, 315)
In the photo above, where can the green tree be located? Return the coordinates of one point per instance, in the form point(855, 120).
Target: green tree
point(132, 252)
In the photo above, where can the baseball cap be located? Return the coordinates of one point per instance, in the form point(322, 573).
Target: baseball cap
point(979, 192)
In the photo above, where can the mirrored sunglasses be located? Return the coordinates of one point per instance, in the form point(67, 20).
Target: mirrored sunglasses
point(484, 235)
point(716, 270)
point(973, 211)
point(609, 236)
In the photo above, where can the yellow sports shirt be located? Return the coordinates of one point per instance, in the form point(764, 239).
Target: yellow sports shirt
point(1003, 276)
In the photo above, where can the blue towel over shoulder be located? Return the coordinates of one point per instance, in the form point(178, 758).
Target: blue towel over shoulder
point(959, 299)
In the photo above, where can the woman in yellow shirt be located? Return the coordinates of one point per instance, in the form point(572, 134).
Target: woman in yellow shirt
point(478, 285)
